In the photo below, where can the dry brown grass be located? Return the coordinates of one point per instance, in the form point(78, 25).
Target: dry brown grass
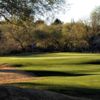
point(12, 75)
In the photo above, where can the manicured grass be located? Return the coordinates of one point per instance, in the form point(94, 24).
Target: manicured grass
point(71, 73)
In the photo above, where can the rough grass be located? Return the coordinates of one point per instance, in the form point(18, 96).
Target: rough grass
point(69, 73)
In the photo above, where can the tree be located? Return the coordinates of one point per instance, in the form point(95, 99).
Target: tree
point(23, 9)
point(95, 19)
point(6, 43)
point(21, 13)
point(94, 31)
point(57, 21)
point(74, 35)
point(55, 32)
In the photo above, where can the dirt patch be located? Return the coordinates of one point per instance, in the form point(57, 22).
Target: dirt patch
point(12, 75)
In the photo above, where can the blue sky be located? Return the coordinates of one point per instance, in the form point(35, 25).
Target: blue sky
point(79, 9)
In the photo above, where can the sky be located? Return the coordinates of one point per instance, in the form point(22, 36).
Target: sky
point(79, 9)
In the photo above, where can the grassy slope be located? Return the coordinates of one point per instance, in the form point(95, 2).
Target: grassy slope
point(71, 73)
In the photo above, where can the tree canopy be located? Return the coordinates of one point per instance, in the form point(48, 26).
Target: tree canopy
point(23, 9)
point(95, 19)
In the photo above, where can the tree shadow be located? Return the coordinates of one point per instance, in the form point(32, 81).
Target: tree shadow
point(18, 65)
point(94, 62)
point(25, 54)
point(81, 92)
point(44, 73)
point(93, 94)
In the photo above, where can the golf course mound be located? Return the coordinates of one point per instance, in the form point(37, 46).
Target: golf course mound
point(14, 93)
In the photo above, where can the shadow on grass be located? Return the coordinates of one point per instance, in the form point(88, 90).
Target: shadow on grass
point(18, 65)
point(43, 73)
point(94, 62)
point(53, 64)
point(92, 94)
point(26, 54)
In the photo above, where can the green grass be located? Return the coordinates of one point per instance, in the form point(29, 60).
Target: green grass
point(71, 73)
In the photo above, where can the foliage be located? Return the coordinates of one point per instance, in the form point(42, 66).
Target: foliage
point(24, 9)
point(30, 36)
point(95, 19)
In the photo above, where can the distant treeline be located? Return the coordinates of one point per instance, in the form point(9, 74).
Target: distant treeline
point(29, 36)
point(20, 33)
